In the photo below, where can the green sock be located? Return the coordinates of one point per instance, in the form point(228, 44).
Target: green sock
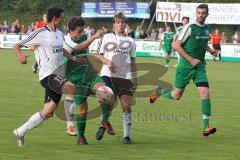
point(106, 108)
point(167, 60)
point(81, 124)
point(165, 92)
point(206, 112)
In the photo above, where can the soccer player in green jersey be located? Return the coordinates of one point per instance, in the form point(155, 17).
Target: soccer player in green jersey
point(166, 44)
point(192, 45)
point(83, 76)
point(185, 21)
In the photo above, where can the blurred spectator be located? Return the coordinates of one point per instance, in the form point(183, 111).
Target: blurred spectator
point(129, 31)
point(235, 38)
point(65, 29)
point(92, 31)
point(12, 27)
point(17, 26)
point(143, 34)
point(223, 38)
point(137, 33)
point(33, 26)
point(153, 35)
point(87, 30)
point(29, 30)
point(160, 32)
point(22, 30)
point(5, 26)
point(105, 28)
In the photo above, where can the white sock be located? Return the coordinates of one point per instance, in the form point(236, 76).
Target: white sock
point(127, 123)
point(33, 122)
point(69, 110)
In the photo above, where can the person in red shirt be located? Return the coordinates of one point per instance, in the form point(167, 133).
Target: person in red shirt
point(39, 25)
point(216, 43)
point(43, 22)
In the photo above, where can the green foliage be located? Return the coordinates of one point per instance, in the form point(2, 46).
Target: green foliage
point(28, 11)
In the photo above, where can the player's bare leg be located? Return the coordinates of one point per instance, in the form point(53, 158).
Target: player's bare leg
point(175, 93)
point(34, 121)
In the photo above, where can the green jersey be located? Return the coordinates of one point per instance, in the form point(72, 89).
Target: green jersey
point(195, 41)
point(79, 73)
point(179, 30)
point(72, 67)
point(167, 38)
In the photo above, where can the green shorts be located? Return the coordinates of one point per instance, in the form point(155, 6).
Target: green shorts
point(185, 75)
point(84, 83)
point(167, 49)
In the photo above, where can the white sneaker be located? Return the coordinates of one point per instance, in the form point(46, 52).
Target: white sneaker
point(20, 138)
point(71, 131)
point(166, 65)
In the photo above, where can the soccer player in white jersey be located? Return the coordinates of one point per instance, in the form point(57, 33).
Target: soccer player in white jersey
point(48, 48)
point(117, 53)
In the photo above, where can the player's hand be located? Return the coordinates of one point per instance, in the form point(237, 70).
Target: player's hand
point(195, 62)
point(22, 58)
point(99, 33)
point(111, 66)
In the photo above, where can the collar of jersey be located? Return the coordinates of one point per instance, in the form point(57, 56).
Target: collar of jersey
point(200, 24)
point(119, 35)
point(48, 28)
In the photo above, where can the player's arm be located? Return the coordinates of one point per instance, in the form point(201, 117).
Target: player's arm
point(22, 58)
point(86, 43)
point(186, 32)
point(100, 55)
point(212, 51)
point(33, 39)
point(73, 58)
point(103, 60)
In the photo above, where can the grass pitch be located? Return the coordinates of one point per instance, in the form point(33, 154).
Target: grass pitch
point(169, 130)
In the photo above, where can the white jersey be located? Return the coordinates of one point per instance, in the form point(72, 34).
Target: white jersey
point(119, 50)
point(69, 44)
point(48, 51)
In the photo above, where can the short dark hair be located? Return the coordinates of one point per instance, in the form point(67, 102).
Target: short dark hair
point(202, 6)
point(185, 18)
point(53, 12)
point(120, 15)
point(75, 21)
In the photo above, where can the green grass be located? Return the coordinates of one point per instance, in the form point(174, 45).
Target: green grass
point(169, 130)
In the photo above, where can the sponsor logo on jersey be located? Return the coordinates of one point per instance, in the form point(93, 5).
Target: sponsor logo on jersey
point(58, 49)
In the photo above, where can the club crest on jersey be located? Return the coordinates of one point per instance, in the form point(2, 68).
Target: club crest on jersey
point(207, 32)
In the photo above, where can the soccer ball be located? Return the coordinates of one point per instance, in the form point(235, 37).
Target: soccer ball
point(104, 93)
